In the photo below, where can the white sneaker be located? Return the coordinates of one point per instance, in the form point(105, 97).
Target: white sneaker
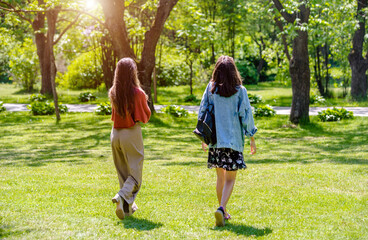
point(119, 206)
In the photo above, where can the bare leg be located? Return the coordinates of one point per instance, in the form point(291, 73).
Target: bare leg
point(220, 183)
point(228, 187)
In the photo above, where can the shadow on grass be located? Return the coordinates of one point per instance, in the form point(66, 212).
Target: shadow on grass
point(6, 231)
point(244, 230)
point(139, 224)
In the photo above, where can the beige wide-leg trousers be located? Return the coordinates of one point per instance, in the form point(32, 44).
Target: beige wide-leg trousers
point(128, 155)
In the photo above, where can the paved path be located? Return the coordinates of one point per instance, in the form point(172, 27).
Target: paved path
point(14, 107)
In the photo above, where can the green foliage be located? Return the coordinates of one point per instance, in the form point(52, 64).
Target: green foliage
point(254, 99)
point(83, 73)
point(335, 114)
point(24, 64)
point(264, 111)
point(45, 108)
point(172, 73)
point(248, 71)
point(191, 98)
point(2, 108)
point(175, 110)
point(37, 98)
point(104, 109)
point(315, 98)
point(86, 97)
point(63, 108)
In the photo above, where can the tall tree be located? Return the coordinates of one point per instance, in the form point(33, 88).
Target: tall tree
point(358, 63)
point(299, 61)
point(44, 39)
point(114, 11)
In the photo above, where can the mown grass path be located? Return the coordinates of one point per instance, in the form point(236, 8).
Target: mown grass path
point(305, 182)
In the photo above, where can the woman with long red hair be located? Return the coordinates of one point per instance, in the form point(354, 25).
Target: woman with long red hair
point(129, 107)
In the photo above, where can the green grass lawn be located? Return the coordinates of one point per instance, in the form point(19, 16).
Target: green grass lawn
point(305, 182)
point(13, 94)
point(272, 93)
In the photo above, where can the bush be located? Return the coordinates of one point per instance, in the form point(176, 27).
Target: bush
point(248, 71)
point(172, 73)
point(45, 108)
point(316, 99)
point(37, 98)
point(104, 109)
point(86, 97)
point(264, 111)
point(83, 73)
point(254, 99)
point(174, 110)
point(63, 108)
point(334, 114)
point(191, 98)
point(2, 108)
point(24, 64)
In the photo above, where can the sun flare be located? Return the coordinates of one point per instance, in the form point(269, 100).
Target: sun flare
point(91, 4)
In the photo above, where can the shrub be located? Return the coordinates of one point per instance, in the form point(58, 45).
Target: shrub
point(2, 108)
point(264, 111)
point(247, 70)
point(174, 110)
point(37, 98)
point(334, 114)
point(191, 98)
point(104, 109)
point(172, 73)
point(63, 108)
point(254, 99)
point(83, 73)
point(86, 97)
point(316, 99)
point(24, 64)
point(45, 108)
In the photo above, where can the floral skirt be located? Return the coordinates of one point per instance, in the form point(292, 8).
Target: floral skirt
point(225, 158)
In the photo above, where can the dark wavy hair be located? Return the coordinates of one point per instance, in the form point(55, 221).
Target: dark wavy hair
point(225, 77)
point(121, 94)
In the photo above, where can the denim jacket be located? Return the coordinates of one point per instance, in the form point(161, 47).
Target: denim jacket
point(233, 117)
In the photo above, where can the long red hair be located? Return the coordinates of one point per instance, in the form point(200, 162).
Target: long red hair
point(122, 92)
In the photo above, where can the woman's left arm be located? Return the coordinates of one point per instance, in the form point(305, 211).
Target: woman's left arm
point(246, 115)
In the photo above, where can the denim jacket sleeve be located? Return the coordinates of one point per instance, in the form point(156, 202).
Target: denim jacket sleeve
point(245, 114)
point(204, 102)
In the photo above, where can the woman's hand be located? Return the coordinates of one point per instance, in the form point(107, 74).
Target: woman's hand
point(253, 148)
point(204, 147)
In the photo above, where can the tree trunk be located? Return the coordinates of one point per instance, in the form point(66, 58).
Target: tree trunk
point(300, 79)
point(358, 63)
point(114, 15)
point(327, 69)
point(317, 68)
point(108, 61)
point(38, 26)
point(299, 64)
point(51, 16)
point(191, 76)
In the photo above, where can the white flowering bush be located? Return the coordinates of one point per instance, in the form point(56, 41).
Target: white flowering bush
point(335, 114)
point(2, 108)
point(317, 99)
point(174, 110)
point(254, 99)
point(264, 111)
point(104, 109)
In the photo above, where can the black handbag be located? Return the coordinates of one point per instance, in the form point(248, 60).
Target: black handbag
point(206, 127)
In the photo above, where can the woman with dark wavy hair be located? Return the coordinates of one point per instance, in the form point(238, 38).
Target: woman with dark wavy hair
point(234, 120)
point(129, 107)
